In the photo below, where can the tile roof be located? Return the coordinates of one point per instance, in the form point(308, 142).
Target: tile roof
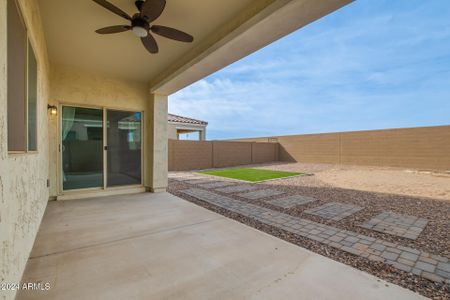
point(179, 119)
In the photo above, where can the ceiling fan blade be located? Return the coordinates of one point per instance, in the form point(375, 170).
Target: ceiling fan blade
point(172, 33)
point(111, 7)
point(150, 43)
point(113, 29)
point(152, 9)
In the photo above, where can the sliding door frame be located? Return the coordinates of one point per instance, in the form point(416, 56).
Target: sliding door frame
point(104, 109)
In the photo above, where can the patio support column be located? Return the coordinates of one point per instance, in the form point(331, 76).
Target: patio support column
point(156, 141)
point(202, 134)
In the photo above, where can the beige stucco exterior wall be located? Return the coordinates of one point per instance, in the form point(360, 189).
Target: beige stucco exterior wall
point(198, 130)
point(156, 166)
point(23, 177)
point(172, 132)
point(71, 86)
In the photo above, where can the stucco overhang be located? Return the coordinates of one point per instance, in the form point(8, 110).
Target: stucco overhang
point(224, 32)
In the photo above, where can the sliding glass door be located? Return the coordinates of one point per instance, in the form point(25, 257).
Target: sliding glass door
point(123, 148)
point(100, 148)
point(82, 147)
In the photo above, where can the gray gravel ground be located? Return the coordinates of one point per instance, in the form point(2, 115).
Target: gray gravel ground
point(435, 238)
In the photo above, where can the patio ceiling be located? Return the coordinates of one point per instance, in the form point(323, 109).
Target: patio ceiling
point(71, 40)
point(224, 31)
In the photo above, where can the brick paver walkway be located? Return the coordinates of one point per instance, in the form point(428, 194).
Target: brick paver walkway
point(291, 201)
point(432, 267)
point(237, 188)
point(408, 227)
point(183, 177)
point(260, 194)
point(334, 210)
point(198, 181)
point(215, 185)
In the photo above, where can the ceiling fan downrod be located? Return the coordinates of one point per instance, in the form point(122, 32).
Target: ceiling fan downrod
point(139, 4)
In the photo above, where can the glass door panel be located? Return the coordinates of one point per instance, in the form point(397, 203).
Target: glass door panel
point(124, 148)
point(82, 147)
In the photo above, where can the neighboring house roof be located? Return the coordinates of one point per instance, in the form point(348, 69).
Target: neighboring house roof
point(184, 120)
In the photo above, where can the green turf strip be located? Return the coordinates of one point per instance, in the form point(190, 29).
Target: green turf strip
point(248, 174)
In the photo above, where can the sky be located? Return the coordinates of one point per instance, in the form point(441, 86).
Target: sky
point(370, 65)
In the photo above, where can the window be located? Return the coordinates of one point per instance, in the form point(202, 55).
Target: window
point(22, 84)
point(32, 100)
point(17, 49)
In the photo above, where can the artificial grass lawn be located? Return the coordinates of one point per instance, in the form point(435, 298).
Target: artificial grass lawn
point(248, 174)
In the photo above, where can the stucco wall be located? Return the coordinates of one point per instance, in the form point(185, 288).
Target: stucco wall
point(69, 85)
point(23, 177)
point(423, 147)
point(197, 131)
point(156, 166)
point(172, 132)
point(195, 155)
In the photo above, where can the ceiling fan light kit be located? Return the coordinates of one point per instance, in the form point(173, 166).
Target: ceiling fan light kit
point(139, 27)
point(149, 11)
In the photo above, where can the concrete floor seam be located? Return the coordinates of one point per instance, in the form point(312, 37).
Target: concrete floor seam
point(124, 239)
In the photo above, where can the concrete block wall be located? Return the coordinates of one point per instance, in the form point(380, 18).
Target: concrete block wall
point(190, 155)
point(419, 148)
point(423, 148)
point(195, 155)
point(228, 154)
point(265, 152)
point(314, 148)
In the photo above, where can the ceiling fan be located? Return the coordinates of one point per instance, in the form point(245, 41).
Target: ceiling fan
point(141, 25)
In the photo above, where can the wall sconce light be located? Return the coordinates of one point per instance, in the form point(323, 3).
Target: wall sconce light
point(52, 109)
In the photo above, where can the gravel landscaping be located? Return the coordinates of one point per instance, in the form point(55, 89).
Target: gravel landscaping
point(433, 238)
point(418, 183)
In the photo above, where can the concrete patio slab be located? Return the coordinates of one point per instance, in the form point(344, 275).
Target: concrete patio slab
point(76, 224)
point(158, 246)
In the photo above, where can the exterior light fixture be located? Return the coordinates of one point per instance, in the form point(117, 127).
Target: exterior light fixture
point(52, 109)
